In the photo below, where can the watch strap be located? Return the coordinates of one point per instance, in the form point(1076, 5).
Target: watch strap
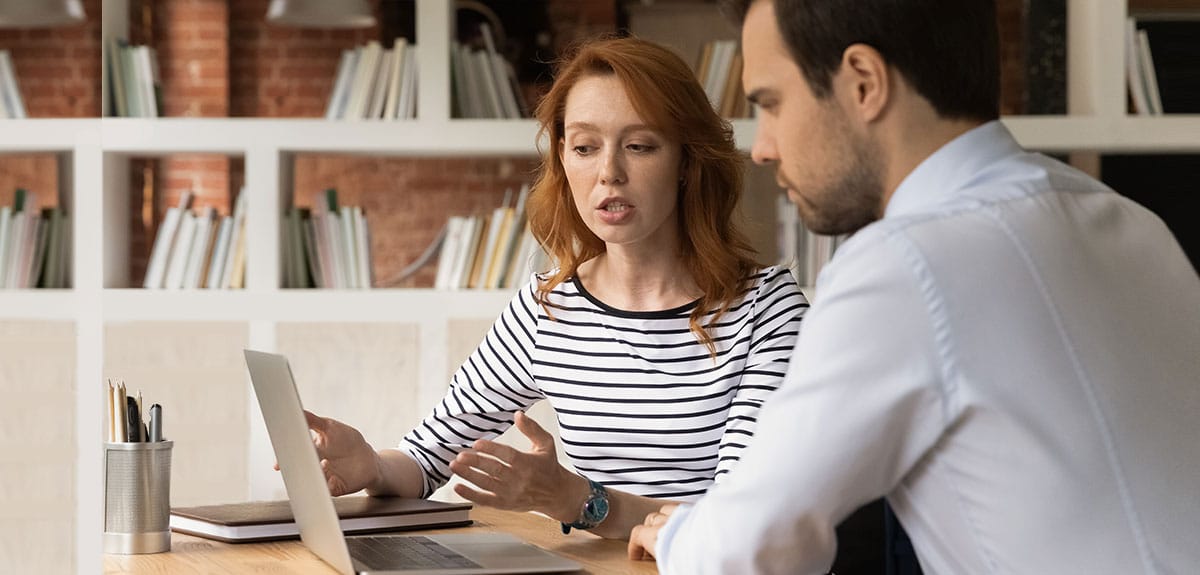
point(598, 497)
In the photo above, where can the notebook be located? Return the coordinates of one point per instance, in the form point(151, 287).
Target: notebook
point(312, 506)
point(271, 520)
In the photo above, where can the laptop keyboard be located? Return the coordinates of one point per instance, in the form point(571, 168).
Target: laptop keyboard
point(402, 553)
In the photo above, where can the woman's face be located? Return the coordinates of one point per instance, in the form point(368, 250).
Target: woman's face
point(624, 175)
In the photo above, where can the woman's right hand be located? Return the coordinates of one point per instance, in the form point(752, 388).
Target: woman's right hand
point(350, 463)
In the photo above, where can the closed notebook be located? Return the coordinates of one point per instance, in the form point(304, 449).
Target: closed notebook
point(268, 520)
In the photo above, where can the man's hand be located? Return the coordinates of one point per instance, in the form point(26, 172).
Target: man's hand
point(348, 461)
point(644, 537)
point(522, 481)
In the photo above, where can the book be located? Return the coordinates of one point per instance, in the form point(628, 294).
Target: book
point(273, 520)
point(1150, 77)
point(10, 95)
point(341, 85)
point(395, 76)
point(1133, 70)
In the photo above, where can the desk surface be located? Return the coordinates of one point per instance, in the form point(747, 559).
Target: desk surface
point(194, 555)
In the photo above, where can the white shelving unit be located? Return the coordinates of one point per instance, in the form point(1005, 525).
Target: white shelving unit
point(95, 153)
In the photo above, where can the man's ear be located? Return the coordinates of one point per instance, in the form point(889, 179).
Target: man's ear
point(864, 82)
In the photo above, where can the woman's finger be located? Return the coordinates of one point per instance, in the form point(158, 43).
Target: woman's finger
point(489, 465)
point(481, 497)
point(479, 478)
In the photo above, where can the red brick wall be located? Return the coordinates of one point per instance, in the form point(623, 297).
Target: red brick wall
point(407, 201)
point(278, 71)
point(58, 69)
point(1010, 21)
point(58, 73)
point(269, 71)
point(191, 38)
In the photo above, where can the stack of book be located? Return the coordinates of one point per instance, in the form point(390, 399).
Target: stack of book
point(800, 250)
point(328, 246)
point(135, 88)
point(272, 520)
point(484, 84)
point(1139, 70)
point(201, 250)
point(373, 83)
point(488, 251)
point(720, 72)
point(11, 105)
point(35, 245)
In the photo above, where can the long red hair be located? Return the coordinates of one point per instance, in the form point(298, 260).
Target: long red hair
point(667, 96)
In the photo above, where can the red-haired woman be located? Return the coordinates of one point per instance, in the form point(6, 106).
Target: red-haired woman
point(656, 338)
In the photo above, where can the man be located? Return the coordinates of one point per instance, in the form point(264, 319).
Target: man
point(1005, 349)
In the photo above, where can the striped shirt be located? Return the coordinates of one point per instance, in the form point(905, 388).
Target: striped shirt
point(642, 405)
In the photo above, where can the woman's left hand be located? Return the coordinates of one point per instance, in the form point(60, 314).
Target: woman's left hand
point(508, 478)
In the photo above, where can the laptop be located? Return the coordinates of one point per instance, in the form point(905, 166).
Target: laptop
point(312, 506)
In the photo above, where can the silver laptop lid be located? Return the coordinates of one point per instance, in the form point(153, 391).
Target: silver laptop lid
point(312, 504)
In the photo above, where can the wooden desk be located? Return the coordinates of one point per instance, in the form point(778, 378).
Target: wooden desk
point(195, 556)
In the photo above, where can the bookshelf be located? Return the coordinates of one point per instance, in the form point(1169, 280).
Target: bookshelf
point(94, 157)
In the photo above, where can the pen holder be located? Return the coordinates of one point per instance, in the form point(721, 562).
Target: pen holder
point(137, 497)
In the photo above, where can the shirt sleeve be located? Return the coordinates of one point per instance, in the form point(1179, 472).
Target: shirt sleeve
point(485, 392)
point(778, 309)
point(864, 399)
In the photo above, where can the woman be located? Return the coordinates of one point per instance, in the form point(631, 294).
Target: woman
point(656, 339)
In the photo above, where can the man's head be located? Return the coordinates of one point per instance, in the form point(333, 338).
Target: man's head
point(854, 93)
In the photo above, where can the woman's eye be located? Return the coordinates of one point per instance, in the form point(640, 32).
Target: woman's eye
point(582, 150)
point(640, 148)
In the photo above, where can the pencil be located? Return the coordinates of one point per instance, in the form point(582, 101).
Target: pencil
point(112, 434)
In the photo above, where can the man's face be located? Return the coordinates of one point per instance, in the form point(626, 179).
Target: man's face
point(832, 173)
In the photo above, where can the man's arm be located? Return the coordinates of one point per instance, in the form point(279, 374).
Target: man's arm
point(863, 401)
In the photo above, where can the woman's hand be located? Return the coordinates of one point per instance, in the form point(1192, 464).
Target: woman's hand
point(522, 481)
point(644, 537)
point(349, 462)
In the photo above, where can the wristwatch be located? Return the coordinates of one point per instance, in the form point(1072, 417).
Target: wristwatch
point(595, 509)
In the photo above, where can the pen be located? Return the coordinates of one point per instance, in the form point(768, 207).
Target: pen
point(156, 422)
point(133, 421)
point(142, 435)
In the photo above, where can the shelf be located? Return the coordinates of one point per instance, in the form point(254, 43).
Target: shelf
point(154, 137)
point(234, 136)
point(237, 135)
point(53, 305)
point(381, 305)
point(1158, 134)
point(44, 135)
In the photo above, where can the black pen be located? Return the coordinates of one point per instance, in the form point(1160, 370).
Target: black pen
point(133, 421)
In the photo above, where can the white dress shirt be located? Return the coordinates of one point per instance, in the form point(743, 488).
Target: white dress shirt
point(1011, 356)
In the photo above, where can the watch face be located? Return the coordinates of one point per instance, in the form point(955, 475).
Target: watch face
point(597, 509)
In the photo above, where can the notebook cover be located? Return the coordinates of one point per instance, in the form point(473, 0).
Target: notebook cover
point(408, 511)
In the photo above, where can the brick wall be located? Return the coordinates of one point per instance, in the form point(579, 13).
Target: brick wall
point(191, 38)
point(277, 71)
point(58, 73)
point(1010, 21)
point(221, 58)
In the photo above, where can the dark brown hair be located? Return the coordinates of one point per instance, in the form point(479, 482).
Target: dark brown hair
point(949, 50)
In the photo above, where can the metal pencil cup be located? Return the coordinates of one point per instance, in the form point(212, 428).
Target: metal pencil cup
point(137, 497)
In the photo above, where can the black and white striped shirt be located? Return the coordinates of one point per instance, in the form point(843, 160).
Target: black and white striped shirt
point(642, 405)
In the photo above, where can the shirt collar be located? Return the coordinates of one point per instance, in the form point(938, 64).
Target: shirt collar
point(951, 168)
